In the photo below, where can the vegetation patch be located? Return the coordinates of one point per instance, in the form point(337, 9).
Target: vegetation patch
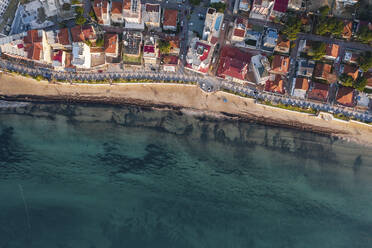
point(290, 107)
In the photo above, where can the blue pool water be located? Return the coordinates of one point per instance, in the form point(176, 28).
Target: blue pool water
point(217, 24)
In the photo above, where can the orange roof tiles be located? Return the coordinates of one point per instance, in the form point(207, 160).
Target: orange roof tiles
point(127, 4)
point(233, 63)
point(239, 32)
point(32, 44)
point(332, 50)
point(351, 71)
point(116, 7)
point(111, 41)
point(319, 92)
point(345, 96)
point(347, 31)
point(276, 86)
point(322, 70)
point(283, 43)
point(170, 17)
point(64, 37)
point(81, 34)
point(302, 84)
point(280, 64)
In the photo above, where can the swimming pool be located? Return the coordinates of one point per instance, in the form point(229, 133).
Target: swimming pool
point(218, 23)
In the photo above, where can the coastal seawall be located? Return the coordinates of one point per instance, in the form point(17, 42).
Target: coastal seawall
point(178, 97)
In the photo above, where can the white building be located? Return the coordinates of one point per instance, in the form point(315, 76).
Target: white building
point(244, 5)
point(81, 57)
point(50, 7)
point(260, 67)
point(261, 9)
point(151, 14)
point(3, 6)
point(347, 2)
point(212, 26)
point(132, 12)
point(199, 56)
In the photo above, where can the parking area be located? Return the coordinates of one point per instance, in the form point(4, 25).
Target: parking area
point(197, 18)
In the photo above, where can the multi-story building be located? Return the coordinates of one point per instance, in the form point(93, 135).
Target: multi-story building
point(151, 14)
point(117, 15)
point(234, 64)
point(280, 65)
point(132, 43)
point(102, 10)
point(300, 87)
point(132, 14)
point(150, 51)
point(199, 55)
point(212, 26)
point(82, 37)
point(279, 8)
point(239, 30)
point(261, 9)
point(260, 67)
point(170, 19)
point(59, 39)
point(111, 45)
point(3, 6)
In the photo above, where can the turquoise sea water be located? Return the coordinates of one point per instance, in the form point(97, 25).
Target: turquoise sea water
point(95, 176)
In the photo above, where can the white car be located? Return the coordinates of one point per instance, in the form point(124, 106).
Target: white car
point(191, 23)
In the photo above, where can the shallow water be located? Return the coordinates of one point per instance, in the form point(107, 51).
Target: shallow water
point(94, 176)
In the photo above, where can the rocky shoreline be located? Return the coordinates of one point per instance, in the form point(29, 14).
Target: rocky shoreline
point(190, 111)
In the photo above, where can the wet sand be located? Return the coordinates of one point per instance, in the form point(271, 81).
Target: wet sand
point(187, 97)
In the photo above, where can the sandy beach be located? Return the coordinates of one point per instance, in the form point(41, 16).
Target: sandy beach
point(180, 96)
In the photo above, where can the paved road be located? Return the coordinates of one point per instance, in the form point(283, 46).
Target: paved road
point(206, 83)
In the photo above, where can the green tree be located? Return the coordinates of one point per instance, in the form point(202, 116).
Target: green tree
point(365, 61)
point(364, 35)
point(346, 80)
point(100, 42)
point(220, 7)
point(80, 20)
point(292, 28)
point(324, 11)
point(361, 83)
point(327, 26)
point(318, 50)
point(75, 2)
point(195, 2)
point(79, 10)
point(164, 46)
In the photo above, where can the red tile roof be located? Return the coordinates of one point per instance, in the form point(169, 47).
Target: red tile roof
point(322, 70)
point(351, 71)
point(239, 32)
point(319, 92)
point(276, 86)
point(345, 96)
point(64, 37)
point(347, 31)
point(117, 7)
point(302, 84)
point(152, 7)
point(332, 50)
point(100, 7)
point(81, 34)
point(170, 59)
point(111, 41)
point(32, 44)
point(281, 5)
point(280, 64)
point(127, 4)
point(170, 17)
point(233, 63)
